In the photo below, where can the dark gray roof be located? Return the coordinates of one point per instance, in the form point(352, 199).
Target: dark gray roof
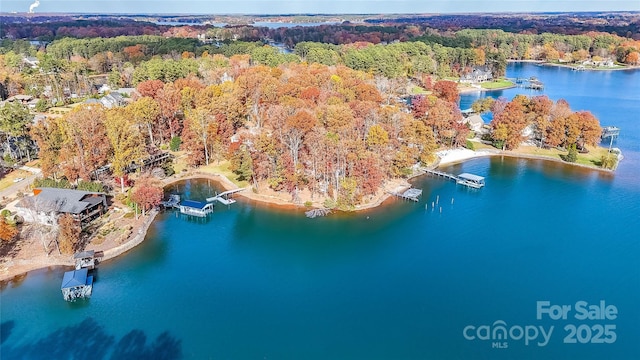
point(74, 278)
point(63, 200)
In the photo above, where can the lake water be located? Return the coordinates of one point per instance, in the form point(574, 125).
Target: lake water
point(276, 25)
point(401, 281)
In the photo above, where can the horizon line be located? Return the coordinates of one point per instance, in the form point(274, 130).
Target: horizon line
point(324, 14)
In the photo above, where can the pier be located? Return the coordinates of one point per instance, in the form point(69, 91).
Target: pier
point(466, 179)
point(410, 194)
point(172, 202)
point(199, 208)
point(223, 198)
point(87, 259)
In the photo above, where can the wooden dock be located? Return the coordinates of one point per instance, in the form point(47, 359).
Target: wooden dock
point(223, 198)
point(409, 194)
point(441, 174)
point(465, 179)
point(172, 202)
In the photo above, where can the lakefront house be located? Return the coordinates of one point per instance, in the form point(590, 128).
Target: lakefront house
point(47, 204)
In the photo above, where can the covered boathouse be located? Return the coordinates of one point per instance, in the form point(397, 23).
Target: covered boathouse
point(76, 284)
point(470, 180)
point(195, 208)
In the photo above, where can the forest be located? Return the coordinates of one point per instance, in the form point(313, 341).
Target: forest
point(336, 120)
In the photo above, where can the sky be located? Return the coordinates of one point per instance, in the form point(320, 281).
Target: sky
point(315, 6)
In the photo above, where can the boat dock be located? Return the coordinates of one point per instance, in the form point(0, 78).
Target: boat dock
point(409, 194)
point(317, 212)
point(199, 208)
point(195, 208)
point(172, 202)
point(469, 180)
point(87, 259)
point(224, 198)
point(76, 284)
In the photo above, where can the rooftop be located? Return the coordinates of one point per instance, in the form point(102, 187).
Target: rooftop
point(61, 200)
point(471, 177)
point(74, 278)
point(194, 204)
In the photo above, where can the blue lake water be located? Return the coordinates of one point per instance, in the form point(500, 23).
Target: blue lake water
point(401, 281)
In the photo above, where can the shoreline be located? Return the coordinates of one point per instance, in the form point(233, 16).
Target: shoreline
point(573, 66)
point(17, 268)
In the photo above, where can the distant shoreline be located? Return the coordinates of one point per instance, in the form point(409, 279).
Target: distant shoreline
point(573, 66)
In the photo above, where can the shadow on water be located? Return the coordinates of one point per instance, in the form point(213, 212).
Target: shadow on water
point(5, 330)
point(89, 340)
point(134, 346)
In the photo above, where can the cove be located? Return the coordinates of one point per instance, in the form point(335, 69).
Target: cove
point(398, 281)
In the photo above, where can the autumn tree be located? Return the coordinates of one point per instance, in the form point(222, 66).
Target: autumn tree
point(147, 193)
point(509, 124)
point(85, 145)
point(145, 112)
point(48, 136)
point(294, 130)
point(8, 230)
point(126, 140)
point(169, 99)
point(68, 234)
point(199, 126)
point(446, 90)
point(540, 107)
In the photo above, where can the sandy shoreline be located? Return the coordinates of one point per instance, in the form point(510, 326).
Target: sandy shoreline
point(14, 268)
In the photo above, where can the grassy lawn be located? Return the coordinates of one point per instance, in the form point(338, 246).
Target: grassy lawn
point(590, 159)
point(222, 168)
point(8, 180)
point(417, 90)
point(497, 84)
point(179, 161)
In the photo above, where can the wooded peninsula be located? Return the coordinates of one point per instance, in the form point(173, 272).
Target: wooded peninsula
point(335, 111)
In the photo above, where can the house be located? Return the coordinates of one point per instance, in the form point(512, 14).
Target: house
point(477, 74)
point(112, 100)
point(31, 61)
point(47, 204)
point(127, 92)
point(475, 122)
point(103, 88)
